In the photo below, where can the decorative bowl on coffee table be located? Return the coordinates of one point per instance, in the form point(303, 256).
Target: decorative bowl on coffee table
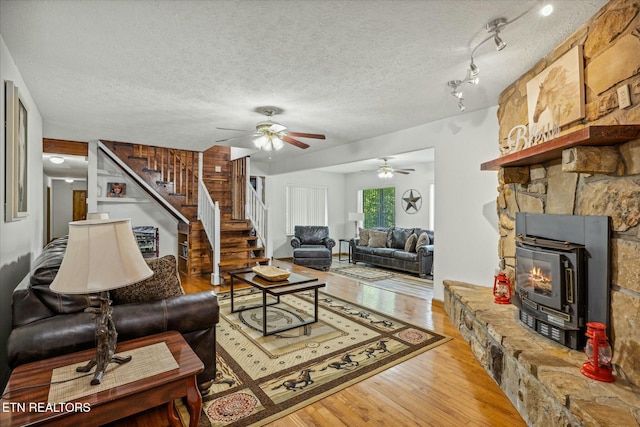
point(273, 274)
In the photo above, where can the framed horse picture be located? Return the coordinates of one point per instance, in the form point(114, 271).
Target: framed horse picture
point(555, 97)
point(16, 159)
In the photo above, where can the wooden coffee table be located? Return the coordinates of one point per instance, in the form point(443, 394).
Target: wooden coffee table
point(294, 284)
point(28, 407)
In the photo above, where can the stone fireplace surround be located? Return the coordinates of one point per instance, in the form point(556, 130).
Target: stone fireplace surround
point(541, 377)
point(607, 180)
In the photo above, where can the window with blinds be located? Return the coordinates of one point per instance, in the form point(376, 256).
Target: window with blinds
point(306, 205)
point(379, 207)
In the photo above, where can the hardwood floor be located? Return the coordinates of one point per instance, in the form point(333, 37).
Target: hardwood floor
point(445, 386)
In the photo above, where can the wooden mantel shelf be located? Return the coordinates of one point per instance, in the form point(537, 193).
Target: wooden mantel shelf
point(550, 150)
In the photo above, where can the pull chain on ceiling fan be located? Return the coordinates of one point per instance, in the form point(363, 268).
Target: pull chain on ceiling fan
point(270, 135)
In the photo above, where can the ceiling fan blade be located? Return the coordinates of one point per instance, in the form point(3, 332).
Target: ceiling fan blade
point(307, 135)
point(229, 139)
point(237, 130)
point(400, 171)
point(406, 170)
point(299, 144)
point(277, 127)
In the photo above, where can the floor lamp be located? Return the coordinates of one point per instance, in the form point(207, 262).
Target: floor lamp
point(101, 254)
point(356, 217)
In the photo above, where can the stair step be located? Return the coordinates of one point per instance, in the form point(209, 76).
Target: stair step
point(137, 158)
point(232, 230)
point(233, 240)
point(242, 261)
point(150, 170)
point(177, 194)
point(164, 182)
point(184, 205)
point(237, 249)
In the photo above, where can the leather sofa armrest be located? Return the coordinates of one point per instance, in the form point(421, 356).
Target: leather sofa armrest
point(26, 307)
point(67, 333)
point(425, 250)
point(174, 313)
point(329, 242)
point(296, 242)
point(354, 242)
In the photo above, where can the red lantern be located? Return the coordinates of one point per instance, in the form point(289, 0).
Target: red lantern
point(599, 353)
point(502, 289)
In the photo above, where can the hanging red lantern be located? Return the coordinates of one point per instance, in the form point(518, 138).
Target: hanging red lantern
point(502, 289)
point(599, 353)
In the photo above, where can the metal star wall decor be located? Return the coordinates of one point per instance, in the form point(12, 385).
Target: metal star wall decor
point(411, 201)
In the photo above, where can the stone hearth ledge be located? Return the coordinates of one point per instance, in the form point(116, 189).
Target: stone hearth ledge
point(540, 377)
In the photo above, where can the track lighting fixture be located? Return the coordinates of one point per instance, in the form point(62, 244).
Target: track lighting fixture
point(500, 44)
point(493, 27)
point(474, 68)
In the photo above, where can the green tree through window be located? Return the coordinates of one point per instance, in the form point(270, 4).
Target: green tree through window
point(379, 207)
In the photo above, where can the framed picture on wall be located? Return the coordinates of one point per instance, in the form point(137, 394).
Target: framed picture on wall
point(116, 189)
point(16, 159)
point(556, 95)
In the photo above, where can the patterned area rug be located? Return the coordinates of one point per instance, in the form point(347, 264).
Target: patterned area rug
point(261, 379)
point(364, 273)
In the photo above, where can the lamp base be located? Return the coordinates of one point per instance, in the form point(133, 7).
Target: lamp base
point(97, 377)
point(106, 337)
point(602, 373)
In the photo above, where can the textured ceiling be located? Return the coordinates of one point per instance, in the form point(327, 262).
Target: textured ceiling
point(169, 72)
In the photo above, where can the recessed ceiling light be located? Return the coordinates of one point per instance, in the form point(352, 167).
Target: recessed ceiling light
point(56, 160)
point(546, 10)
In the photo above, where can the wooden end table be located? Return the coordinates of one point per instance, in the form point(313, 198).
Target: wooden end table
point(23, 407)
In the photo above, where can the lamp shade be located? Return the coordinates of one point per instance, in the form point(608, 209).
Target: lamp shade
point(98, 215)
point(356, 216)
point(101, 255)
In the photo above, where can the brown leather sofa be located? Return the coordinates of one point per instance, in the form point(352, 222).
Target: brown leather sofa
point(47, 324)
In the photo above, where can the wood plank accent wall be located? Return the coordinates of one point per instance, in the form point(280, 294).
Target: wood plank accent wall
point(60, 146)
point(239, 187)
point(218, 183)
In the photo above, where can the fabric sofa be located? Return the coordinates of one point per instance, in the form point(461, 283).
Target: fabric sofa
point(406, 249)
point(46, 324)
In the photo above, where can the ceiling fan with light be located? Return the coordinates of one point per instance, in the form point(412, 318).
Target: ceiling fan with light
point(270, 135)
point(386, 171)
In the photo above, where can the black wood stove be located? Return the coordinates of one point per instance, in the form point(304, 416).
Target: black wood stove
point(562, 274)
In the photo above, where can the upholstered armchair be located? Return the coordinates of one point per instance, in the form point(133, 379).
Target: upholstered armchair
point(312, 246)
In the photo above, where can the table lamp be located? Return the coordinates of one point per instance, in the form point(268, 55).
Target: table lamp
point(101, 254)
point(356, 217)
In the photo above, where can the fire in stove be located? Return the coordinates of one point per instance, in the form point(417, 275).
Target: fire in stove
point(541, 283)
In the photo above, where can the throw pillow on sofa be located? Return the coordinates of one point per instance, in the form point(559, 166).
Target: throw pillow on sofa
point(377, 239)
point(164, 283)
point(397, 237)
point(423, 239)
point(364, 237)
point(410, 246)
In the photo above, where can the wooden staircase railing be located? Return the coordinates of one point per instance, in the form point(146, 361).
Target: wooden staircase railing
point(209, 215)
point(257, 212)
point(235, 239)
point(171, 172)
